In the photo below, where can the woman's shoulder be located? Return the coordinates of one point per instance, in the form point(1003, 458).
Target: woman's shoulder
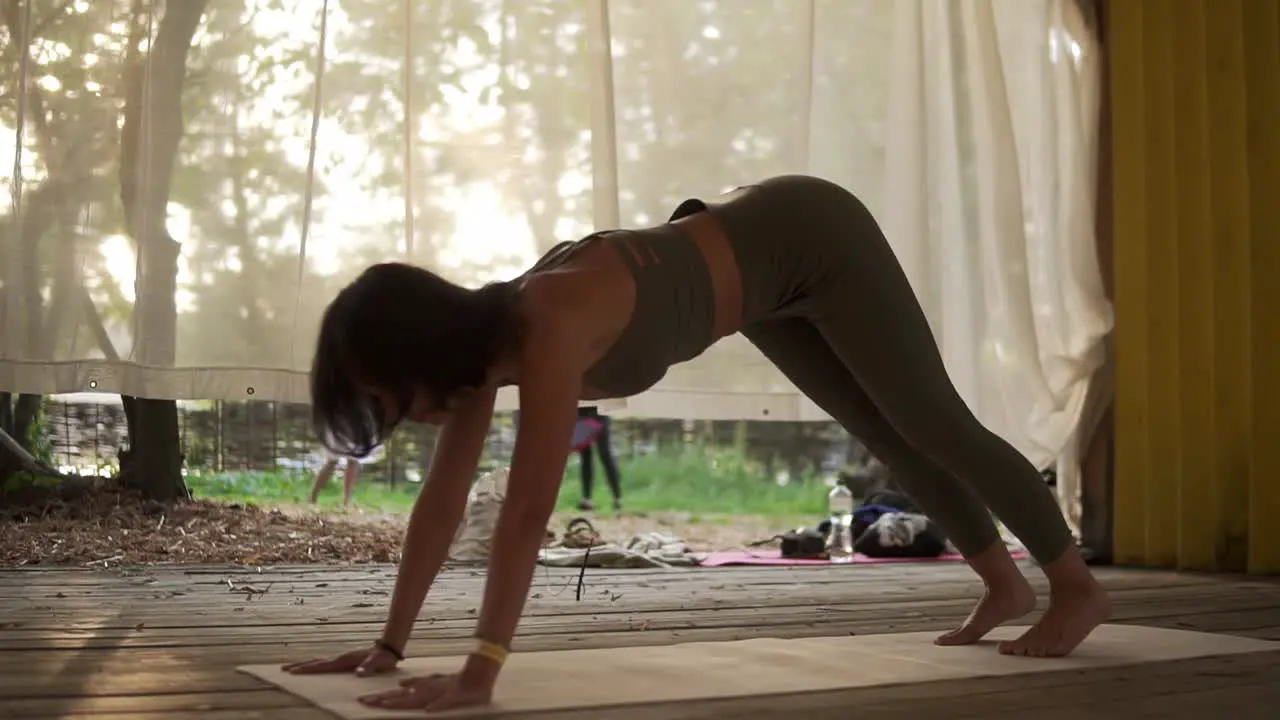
point(561, 251)
point(550, 257)
point(551, 301)
point(556, 316)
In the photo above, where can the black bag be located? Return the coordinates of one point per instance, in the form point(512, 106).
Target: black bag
point(804, 543)
point(902, 535)
point(878, 503)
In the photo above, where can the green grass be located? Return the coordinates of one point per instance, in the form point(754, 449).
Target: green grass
point(698, 480)
point(22, 481)
point(294, 488)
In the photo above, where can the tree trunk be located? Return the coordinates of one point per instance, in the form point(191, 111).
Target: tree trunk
point(14, 458)
point(24, 417)
point(149, 147)
point(18, 417)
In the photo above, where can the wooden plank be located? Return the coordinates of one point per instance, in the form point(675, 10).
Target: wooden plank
point(38, 652)
point(218, 608)
point(133, 673)
point(52, 582)
point(93, 609)
point(105, 676)
point(132, 633)
point(293, 713)
point(238, 612)
point(1268, 633)
point(1251, 702)
point(19, 584)
point(980, 697)
point(1184, 670)
point(46, 672)
point(857, 579)
point(1122, 689)
point(181, 702)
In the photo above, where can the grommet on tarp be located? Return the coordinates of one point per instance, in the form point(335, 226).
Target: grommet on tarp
point(249, 390)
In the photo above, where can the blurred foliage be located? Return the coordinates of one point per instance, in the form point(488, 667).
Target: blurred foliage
point(498, 95)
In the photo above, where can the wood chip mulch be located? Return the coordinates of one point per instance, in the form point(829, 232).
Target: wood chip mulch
point(104, 525)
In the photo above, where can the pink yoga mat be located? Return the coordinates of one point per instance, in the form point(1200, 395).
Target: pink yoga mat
point(773, 556)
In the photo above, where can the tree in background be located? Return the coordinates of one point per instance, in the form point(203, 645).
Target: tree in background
point(95, 91)
point(497, 94)
point(148, 151)
point(71, 134)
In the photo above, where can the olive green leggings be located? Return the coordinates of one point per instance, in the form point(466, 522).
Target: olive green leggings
point(827, 302)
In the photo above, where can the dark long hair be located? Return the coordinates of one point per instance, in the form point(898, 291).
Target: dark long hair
point(401, 328)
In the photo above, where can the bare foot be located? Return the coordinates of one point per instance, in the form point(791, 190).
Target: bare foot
point(1073, 614)
point(998, 606)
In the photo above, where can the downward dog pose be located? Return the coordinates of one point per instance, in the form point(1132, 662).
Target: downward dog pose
point(797, 265)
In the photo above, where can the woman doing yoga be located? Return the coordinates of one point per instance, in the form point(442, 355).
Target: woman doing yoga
point(797, 265)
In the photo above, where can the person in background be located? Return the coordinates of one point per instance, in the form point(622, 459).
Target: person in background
point(350, 475)
point(601, 446)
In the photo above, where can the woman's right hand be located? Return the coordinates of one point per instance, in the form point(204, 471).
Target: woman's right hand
point(363, 662)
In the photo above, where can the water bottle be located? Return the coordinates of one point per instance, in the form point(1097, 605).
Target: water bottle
point(840, 539)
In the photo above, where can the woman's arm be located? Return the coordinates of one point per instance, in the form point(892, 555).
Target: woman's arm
point(437, 512)
point(550, 385)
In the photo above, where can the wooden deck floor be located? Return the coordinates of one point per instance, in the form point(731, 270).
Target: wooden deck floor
point(163, 643)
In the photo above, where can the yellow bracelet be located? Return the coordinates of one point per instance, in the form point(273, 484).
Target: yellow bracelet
point(491, 651)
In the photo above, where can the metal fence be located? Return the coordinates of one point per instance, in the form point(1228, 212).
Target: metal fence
point(85, 435)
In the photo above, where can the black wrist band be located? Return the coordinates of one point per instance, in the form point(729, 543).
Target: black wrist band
point(383, 644)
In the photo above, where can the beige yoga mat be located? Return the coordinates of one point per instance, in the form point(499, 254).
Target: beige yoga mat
point(579, 679)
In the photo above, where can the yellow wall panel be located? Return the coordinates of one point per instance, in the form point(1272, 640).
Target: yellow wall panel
point(1129, 223)
point(1262, 82)
point(1195, 112)
point(1230, 242)
point(1196, 502)
point(1163, 458)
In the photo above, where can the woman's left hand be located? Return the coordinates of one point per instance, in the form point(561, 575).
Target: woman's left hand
point(432, 693)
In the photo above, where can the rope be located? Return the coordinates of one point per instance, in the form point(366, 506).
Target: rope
point(582, 572)
point(576, 524)
point(546, 579)
point(309, 193)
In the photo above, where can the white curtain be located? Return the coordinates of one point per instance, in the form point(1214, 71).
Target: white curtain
point(968, 127)
point(989, 201)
